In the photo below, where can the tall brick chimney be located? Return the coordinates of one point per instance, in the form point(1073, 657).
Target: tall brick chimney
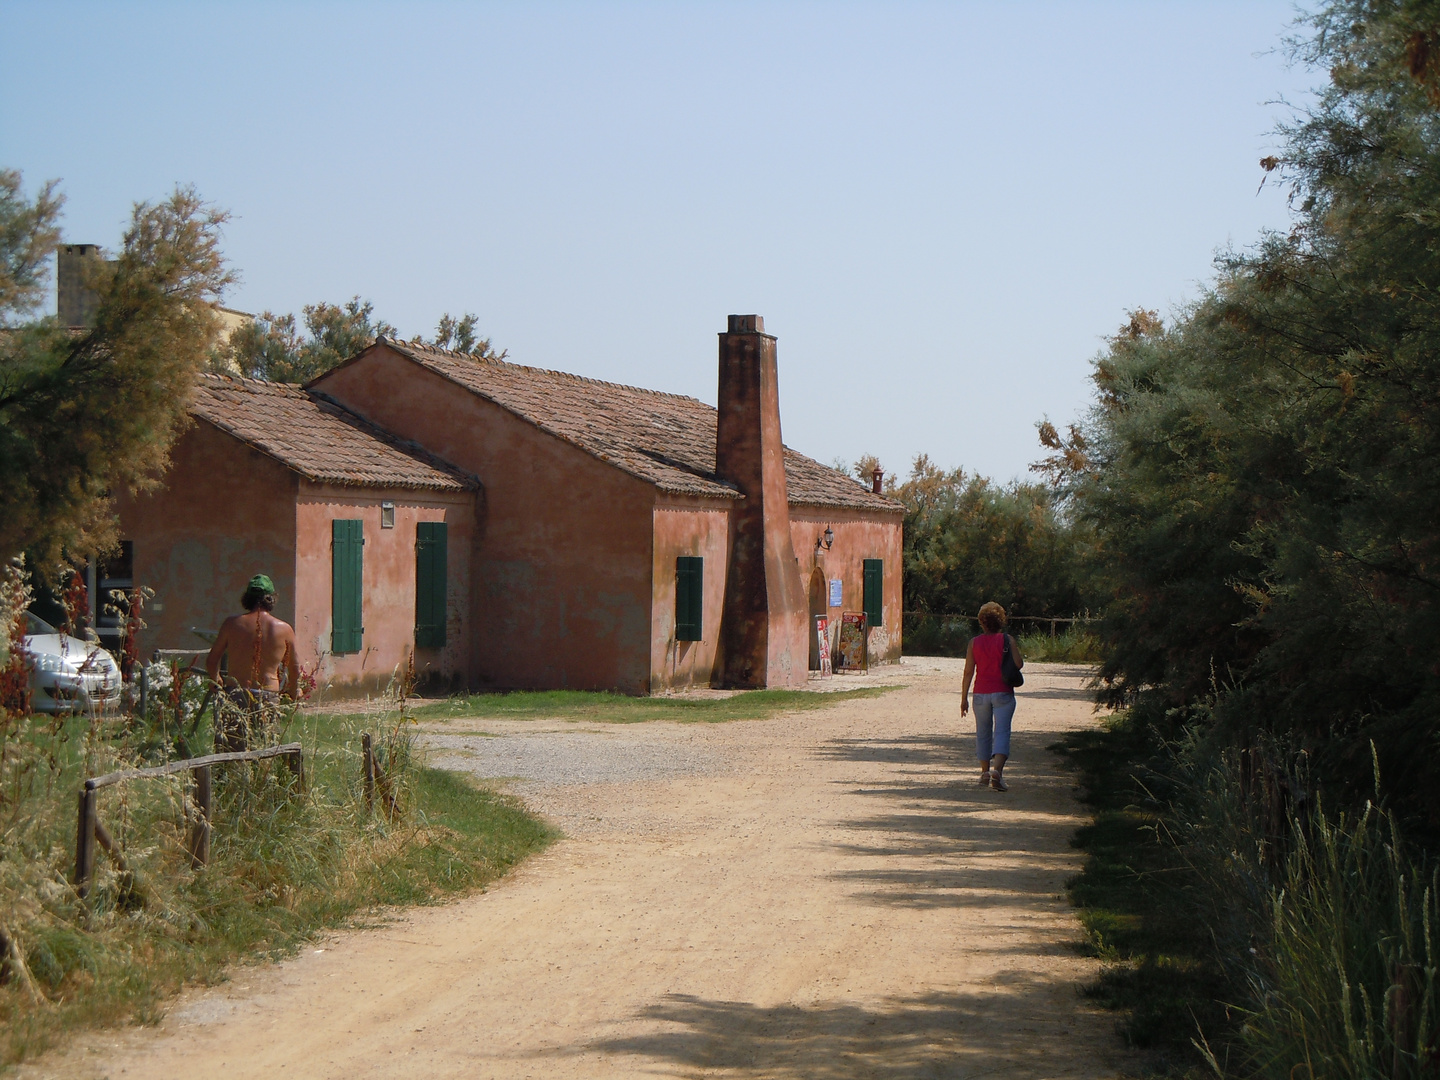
point(764, 631)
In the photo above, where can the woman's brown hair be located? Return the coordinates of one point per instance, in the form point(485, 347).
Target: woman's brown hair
point(992, 617)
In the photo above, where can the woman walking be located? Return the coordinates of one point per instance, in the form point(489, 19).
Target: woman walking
point(994, 696)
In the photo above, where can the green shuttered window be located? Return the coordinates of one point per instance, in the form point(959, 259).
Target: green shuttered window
point(430, 562)
point(347, 574)
point(689, 597)
point(875, 592)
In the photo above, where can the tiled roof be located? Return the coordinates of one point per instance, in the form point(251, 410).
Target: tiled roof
point(316, 437)
point(666, 439)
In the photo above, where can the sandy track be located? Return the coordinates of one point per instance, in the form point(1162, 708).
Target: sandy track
point(821, 895)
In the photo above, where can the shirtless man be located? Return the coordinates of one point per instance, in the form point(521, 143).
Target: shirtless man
point(258, 646)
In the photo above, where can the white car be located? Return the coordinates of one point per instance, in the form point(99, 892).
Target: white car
point(68, 675)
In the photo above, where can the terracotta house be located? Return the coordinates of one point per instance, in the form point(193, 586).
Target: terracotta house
point(277, 479)
point(591, 535)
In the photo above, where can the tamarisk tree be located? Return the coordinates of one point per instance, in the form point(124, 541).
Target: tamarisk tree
point(1262, 474)
point(273, 347)
point(90, 412)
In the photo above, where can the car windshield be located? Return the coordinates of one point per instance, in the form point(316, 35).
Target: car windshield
point(36, 625)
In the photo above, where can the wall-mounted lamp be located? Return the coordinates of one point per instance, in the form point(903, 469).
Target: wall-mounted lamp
point(823, 544)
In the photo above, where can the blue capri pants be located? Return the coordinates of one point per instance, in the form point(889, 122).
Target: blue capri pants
point(993, 713)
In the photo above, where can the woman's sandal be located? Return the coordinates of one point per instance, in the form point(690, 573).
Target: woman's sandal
point(985, 778)
point(998, 782)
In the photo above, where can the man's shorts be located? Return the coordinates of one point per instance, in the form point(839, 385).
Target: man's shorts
point(243, 717)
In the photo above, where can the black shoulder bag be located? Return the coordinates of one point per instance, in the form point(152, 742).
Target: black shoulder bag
point(1008, 671)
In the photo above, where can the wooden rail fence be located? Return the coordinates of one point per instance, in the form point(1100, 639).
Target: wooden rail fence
point(1054, 621)
point(89, 830)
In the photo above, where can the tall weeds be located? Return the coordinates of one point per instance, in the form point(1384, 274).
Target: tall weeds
point(1323, 924)
point(1345, 984)
point(283, 863)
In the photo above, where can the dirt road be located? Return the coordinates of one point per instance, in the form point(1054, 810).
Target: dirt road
point(827, 894)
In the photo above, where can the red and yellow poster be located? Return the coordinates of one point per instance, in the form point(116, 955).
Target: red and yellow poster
point(822, 636)
point(850, 652)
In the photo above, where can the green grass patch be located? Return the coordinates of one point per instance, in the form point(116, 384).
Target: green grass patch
point(284, 865)
point(1071, 646)
point(576, 705)
point(1137, 899)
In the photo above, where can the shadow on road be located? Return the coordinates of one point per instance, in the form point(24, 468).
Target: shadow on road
point(928, 1035)
point(933, 839)
point(937, 839)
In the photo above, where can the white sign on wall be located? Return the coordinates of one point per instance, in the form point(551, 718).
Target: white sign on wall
point(837, 593)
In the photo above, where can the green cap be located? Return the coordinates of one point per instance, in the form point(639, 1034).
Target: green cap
point(262, 583)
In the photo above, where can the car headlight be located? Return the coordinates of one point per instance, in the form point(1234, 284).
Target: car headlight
point(52, 664)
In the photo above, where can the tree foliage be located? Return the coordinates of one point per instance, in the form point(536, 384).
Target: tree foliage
point(85, 414)
point(1262, 474)
point(461, 336)
point(273, 347)
point(29, 234)
point(967, 540)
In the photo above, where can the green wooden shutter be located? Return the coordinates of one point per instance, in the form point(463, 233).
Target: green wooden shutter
point(689, 597)
point(430, 563)
point(347, 574)
point(875, 591)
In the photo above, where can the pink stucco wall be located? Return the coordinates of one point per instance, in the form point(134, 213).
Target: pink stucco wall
point(388, 583)
point(224, 513)
point(858, 536)
point(699, 527)
point(562, 592)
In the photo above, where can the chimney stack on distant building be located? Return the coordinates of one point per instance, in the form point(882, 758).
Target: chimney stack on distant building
point(75, 302)
point(764, 639)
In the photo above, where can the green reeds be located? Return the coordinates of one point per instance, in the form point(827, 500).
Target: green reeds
point(1345, 984)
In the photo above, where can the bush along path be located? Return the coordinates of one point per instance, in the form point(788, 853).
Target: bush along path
point(1247, 929)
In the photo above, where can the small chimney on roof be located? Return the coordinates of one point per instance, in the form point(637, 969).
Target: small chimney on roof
point(75, 301)
point(764, 623)
point(877, 479)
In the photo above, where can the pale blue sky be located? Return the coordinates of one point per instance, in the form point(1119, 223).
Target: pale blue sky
point(940, 209)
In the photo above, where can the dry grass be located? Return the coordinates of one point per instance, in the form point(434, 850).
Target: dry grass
point(284, 864)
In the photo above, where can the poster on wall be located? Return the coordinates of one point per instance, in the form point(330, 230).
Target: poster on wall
point(837, 592)
point(850, 653)
point(822, 635)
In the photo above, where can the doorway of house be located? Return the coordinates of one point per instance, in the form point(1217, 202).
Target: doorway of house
point(817, 607)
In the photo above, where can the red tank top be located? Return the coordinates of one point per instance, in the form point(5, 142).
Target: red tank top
point(985, 650)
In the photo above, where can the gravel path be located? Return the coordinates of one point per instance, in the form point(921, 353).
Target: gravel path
point(817, 896)
point(564, 758)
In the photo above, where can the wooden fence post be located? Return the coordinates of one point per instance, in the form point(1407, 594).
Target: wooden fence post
point(198, 844)
point(367, 750)
point(296, 761)
point(85, 841)
point(197, 841)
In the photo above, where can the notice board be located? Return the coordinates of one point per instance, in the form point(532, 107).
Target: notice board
point(850, 653)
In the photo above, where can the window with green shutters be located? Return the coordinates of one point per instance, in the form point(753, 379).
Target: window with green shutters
point(689, 597)
point(430, 556)
point(875, 591)
point(347, 573)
